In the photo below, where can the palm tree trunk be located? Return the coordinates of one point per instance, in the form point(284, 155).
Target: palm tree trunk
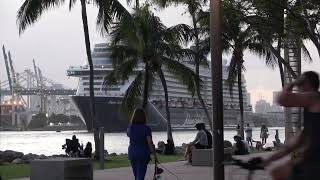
point(217, 89)
point(146, 86)
point(164, 85)
point(203, 104)
point(239, 70)
point(197, 62)
point(88, 50)
point(280, 65)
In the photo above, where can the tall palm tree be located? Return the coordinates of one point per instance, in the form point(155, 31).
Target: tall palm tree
point(141, 48)
point(31, 11)
point(195, 35)
point(238, 36)
point(245, 36)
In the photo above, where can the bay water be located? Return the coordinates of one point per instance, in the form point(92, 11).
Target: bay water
point(50, 142)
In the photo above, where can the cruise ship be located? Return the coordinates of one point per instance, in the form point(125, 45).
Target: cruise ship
point(185, 109)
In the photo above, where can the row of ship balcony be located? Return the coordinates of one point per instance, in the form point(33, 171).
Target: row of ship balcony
point(197, 104)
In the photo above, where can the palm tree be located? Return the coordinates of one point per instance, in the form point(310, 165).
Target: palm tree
point(237, 36)
point(31, 11)
point(241, 31)
point(195, 34)
point(143, 41)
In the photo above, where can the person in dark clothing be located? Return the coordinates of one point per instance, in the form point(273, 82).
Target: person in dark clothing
point(277, 143)
point(72, 147)
point(169, 148)
point(209, 135)
point(75, 146)
point(240, 147)
point(140, 144)
point(307, 166)
point(87, 152)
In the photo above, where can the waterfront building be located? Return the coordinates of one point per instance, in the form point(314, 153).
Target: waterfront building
point(262, 106)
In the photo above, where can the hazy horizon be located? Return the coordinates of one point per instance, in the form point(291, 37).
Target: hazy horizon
point(56, 41)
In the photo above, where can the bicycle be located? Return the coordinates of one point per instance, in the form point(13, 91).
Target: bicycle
point(252, 165)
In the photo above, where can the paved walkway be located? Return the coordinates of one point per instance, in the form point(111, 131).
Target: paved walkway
point(183, 172)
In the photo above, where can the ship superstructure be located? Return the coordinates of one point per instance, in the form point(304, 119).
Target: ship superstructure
point(185, 108)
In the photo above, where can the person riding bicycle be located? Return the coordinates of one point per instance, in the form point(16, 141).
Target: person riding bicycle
point(307, 167)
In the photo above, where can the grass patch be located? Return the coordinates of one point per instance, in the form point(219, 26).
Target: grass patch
point(23, 170)
point(14, 171)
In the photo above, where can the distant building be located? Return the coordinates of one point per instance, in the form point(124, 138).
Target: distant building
point(262, 106)
point(274, 97)
point(248, 98)
point(275, 106)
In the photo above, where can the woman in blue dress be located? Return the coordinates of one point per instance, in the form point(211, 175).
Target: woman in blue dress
point(141, 144)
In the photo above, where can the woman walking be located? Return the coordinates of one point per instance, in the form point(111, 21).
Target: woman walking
point(141, 144)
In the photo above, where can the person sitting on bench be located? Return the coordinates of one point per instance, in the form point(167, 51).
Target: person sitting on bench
point(240, 147)
point(72, 147)
point(200, 142)
point(87, 152)
point(209, 136)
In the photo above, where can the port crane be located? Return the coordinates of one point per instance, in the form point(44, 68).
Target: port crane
point(31, 85)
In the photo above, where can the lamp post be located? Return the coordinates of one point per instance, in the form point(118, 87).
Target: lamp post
point(217, 99)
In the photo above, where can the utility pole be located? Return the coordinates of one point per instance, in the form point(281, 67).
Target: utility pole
point(217, 98)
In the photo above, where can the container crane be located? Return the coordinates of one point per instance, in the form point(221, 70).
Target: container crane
point(14, 80)
point(7, 68)
point(36, 72)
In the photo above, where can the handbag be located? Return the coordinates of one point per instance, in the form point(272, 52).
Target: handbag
point(157, 171)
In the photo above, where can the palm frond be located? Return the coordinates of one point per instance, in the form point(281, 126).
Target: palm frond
point(121, 53)
point(165, 3)
point(232, 75)
point(31, 11)
point(110, 79)
point(122, 71)
point(180, 32)
point(306, 53)
point(133, 93)
point(264, 52)
point(186, 75)
point(109, 10)
point(71, 4)
point(127, 32)
point(184, 54)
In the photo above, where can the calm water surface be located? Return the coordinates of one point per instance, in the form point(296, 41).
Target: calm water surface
point(49, 142)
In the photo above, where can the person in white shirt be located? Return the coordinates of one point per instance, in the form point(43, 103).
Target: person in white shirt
point(248, 132)
point(200, 142)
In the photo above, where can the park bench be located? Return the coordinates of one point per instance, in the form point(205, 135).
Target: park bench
point(204, 157)
point(62, 169)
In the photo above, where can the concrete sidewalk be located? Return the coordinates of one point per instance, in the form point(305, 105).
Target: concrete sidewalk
point(183, 172)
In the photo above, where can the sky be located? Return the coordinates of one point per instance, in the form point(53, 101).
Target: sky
point(56, 42)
